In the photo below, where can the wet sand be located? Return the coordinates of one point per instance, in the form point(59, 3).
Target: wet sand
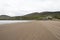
point(36, 30)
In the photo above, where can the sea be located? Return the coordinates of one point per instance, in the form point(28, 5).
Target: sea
point(13, 21)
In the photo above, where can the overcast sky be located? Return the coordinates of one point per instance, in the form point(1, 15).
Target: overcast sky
point(22, 7)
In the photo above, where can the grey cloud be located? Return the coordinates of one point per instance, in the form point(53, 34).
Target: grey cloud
point(22, 7)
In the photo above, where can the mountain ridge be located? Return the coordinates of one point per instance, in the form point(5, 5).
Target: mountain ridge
point(34, 16)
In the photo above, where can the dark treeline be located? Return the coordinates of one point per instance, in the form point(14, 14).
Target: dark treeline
point(34, 16)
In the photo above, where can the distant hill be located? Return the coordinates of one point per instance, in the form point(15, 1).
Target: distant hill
point(4, 17)
point(34, 16)
point(43, 15)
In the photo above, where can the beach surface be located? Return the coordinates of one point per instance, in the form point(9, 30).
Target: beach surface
point(35, 30)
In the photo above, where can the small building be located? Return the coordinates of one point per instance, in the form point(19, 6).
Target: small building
point(49, 17)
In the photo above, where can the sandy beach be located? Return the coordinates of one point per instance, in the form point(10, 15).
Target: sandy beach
point(35, 30)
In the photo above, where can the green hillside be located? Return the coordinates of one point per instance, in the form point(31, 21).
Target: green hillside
point(44, 15)
point(34, 16)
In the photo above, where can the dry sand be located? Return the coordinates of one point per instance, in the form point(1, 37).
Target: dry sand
point(36, 30)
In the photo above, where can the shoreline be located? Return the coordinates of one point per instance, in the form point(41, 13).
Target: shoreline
point(35, 30)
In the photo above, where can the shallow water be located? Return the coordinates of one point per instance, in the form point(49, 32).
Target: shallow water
point(12, 21)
